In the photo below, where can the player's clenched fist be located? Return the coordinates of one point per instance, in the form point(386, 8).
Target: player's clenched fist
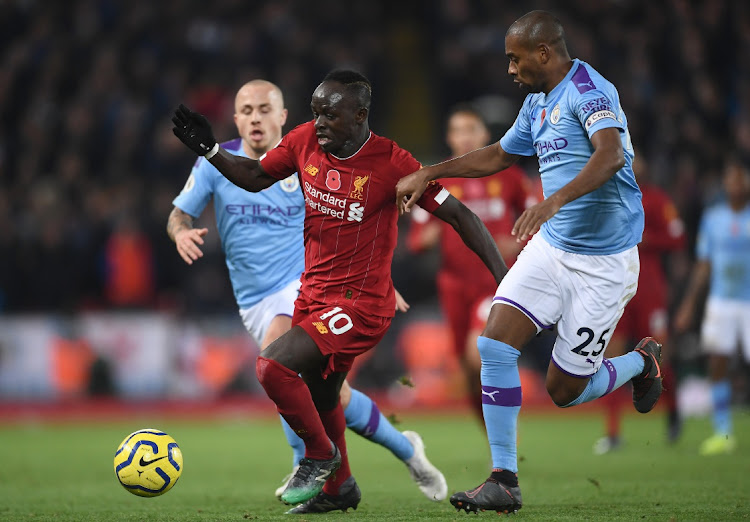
point(194, 131)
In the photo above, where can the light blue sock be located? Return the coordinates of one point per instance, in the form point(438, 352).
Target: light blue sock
point(721, 397)
point(364, 417)
point(501, 400)
point(297, 444)
point(612, 374)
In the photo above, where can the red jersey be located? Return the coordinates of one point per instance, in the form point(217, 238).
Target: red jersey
point(497, 200)
point(350, 216)
point(663, 232)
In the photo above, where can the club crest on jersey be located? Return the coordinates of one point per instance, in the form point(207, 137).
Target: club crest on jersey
point(289, 184)
point(359, 186)
point(313, 171)
point(554, 116)
point(333, 180)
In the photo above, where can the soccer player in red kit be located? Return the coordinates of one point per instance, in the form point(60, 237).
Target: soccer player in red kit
point(462, 282)
point(348, 175)
point(646, 314)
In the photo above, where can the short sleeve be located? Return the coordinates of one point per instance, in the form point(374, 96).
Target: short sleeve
point(703, 241)
point(279, 162)
point(518, 139)
point(597, 111)
point(434, 196)
point(198, 189)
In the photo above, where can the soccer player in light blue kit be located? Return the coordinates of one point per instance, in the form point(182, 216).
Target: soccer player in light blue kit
point(723, 265)
point(582, 268)
point(261, 235)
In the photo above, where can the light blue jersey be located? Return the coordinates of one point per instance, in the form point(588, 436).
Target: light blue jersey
point(557, 128)
point(261, 233)
point(724, 241)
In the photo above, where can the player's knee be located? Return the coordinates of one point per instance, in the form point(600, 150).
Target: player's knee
point(261, 369)
point(560, 396)
point(267, 370)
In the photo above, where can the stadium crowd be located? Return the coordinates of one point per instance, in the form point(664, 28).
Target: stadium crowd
point(89, 166)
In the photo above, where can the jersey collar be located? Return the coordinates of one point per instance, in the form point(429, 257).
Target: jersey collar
point(359, 149)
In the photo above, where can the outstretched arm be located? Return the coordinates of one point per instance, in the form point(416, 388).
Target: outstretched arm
point(194, 131)
point(474, 234)
point(477, 164)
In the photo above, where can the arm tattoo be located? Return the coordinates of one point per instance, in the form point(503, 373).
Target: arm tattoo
point(177, 221)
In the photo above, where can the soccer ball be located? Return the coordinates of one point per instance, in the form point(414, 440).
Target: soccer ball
point(148, 463)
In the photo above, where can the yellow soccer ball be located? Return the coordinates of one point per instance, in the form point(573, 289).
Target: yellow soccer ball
point(148, 463)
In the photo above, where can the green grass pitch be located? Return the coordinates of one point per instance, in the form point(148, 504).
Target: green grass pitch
point(63, 472)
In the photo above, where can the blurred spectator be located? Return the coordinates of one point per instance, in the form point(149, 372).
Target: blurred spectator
point(87, 86)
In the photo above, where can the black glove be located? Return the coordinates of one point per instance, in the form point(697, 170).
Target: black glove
point(193, 130)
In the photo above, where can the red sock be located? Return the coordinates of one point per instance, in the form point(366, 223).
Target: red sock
point(335, 425)
point(295, 404)
point(612, 403)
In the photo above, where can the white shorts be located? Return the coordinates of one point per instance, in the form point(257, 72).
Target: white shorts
point(258, 317)
point(584, 295)
point(725, 323)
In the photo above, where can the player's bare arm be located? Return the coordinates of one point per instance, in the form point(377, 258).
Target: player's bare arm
point(186, 238)
point(474, 234)
point(699, 279)
point(194, 131)
point(607, 158)
point(477, 164)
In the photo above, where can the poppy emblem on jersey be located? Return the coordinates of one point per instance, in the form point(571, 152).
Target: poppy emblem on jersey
point(333, 180)
point(290, 184)
point(554, 116)
point(541, 119)
point(359, 186)
point(313, 171)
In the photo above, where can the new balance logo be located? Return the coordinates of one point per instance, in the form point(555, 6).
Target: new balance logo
point(491, 395)
point(323, 475)
point(356, 212)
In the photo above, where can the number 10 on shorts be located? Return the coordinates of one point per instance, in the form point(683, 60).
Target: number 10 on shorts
point(339, 322)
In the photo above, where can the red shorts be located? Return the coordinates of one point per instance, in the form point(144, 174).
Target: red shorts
point(340, 331)
point(645, 316)
point(457, 301)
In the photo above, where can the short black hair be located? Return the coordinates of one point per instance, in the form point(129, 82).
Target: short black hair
point(467, 108)
point(355, 82)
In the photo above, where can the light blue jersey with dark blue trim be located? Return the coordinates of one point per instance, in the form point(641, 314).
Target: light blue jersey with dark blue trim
point(724, 241)
point(557, 128)
point(261, 233)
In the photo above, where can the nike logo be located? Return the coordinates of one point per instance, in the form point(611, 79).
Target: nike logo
point(491, 395)
point(143, 463)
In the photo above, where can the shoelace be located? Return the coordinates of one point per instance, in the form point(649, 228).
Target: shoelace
point(306, 467)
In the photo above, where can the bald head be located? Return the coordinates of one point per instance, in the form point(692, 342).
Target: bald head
point(271, 89)
point(539, 28)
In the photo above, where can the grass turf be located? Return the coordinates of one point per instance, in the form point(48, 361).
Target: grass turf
point(64, 472)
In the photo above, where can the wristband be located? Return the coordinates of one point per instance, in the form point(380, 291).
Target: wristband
point(211, 153)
